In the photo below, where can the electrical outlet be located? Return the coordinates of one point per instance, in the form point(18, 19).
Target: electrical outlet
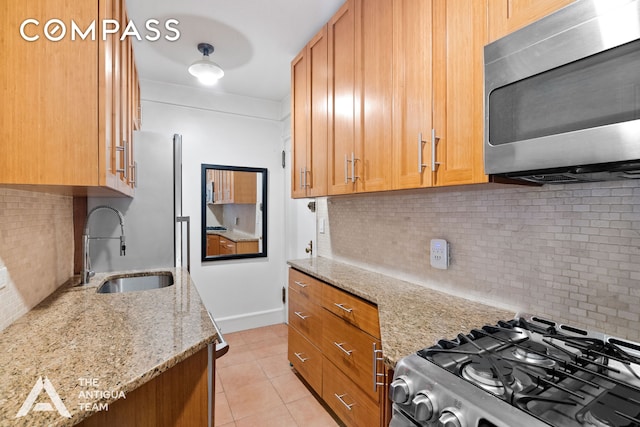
point(3, 277)
point(321, 226)
point(236, 221)
point(439, 254)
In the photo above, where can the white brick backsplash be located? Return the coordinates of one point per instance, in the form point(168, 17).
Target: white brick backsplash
point(569, 252)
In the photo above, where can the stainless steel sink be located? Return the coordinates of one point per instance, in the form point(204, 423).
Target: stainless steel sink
point(136, 282)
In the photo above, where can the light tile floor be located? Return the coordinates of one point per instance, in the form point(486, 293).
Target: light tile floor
point(255, 385)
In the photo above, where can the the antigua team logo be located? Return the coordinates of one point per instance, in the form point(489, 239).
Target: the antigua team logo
point(31, 405)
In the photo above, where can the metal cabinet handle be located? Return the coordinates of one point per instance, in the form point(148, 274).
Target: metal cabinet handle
point(134, 174)
point(377, 358)
point(299, 356)
point(300, 315)
point(434, 142)
point(348, 310)
point(353, 176)
point(302, 178)
point(340, 346)
point(222, 347)
point(421, 142)
point(123, 168)
point(302, 285)
point(353, 167)
point(339, 397)
point(346, 169)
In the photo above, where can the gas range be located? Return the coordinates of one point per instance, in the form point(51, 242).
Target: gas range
point(528, 371)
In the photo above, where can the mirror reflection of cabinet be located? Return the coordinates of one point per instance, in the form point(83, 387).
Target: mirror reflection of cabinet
point(232, 186)
point(234, 213)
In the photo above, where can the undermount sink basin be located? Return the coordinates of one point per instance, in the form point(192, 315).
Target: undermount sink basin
point(137, 282)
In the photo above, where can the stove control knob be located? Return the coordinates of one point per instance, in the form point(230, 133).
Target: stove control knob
point(424, 407)
point(400, 390)
point(449, 419)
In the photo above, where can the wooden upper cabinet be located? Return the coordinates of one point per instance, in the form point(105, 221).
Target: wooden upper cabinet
point(506, 16)
point(342, 101)
point(413, 93)
point(61, 116)
point(309, 92)
point(299, 124)
point(374, 93)
point(459, 38)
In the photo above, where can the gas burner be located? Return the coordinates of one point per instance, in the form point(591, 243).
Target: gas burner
point(489, 373)
point(533, 352)
point(613, 410)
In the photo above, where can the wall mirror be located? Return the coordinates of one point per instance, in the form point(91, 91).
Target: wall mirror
point(234, 212)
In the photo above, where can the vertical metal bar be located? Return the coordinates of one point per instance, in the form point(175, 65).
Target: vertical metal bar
point(346, 169)
point(177, 198)
point(434, 141)
point(353, 167)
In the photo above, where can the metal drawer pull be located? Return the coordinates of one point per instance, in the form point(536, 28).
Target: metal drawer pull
point(302, 359)
point(340, 346)
point(302, 285)
point(339, 397)
point(299, 314)
point(348, 310)
point(376, 374)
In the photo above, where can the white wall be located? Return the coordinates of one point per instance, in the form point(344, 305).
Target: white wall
point(229, 130)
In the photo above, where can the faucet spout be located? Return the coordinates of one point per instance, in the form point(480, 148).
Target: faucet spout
point(87, 273)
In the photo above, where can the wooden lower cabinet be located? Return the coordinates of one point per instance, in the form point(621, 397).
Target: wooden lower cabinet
point(176, 398)
point(213, 245)
point(348, 400)
point(306, 359)
point(338, 352)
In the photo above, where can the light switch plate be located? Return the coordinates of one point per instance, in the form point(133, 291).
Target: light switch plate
point(439, 254)
point(3, 277)
point(321, 226)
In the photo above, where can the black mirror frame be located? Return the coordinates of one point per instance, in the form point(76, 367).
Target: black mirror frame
point(203, 212)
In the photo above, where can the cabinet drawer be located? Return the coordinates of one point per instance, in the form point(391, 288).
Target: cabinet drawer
point(354, 310)
point(306, 359)
point(306, 317)
point(349, 402)
point(307, 286)
point(351, 350)
point(227, 246)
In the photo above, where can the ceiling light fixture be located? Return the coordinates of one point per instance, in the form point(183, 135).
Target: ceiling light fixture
point(207, 71)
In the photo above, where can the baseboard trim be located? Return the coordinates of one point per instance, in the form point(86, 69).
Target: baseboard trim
point(256, 319)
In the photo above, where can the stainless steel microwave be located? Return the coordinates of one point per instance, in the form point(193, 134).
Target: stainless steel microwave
point(562, 96)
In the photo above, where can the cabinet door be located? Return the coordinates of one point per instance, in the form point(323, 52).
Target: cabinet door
point(459, 38)
point(506, 16)
point(49, 118)
point(374, 86)
point(342, 100)
point(317, 78)
point(213, 245)
point(412, 93)
point(299, 126)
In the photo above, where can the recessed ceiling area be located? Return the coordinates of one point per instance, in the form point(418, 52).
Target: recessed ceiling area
point(254, 40)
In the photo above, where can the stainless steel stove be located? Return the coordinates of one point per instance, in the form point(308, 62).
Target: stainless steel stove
point(528, 371)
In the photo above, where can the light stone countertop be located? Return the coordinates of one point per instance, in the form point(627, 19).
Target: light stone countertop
point(236, 236)
point(411, 316)
point(87, 344)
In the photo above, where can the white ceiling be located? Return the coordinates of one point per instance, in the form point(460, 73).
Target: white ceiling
point(254, 40)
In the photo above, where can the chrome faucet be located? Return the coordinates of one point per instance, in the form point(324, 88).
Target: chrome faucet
point(87, 273)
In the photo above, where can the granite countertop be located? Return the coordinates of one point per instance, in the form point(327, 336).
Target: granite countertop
point(411, 316)
point(236, 236)
point(94, 347)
